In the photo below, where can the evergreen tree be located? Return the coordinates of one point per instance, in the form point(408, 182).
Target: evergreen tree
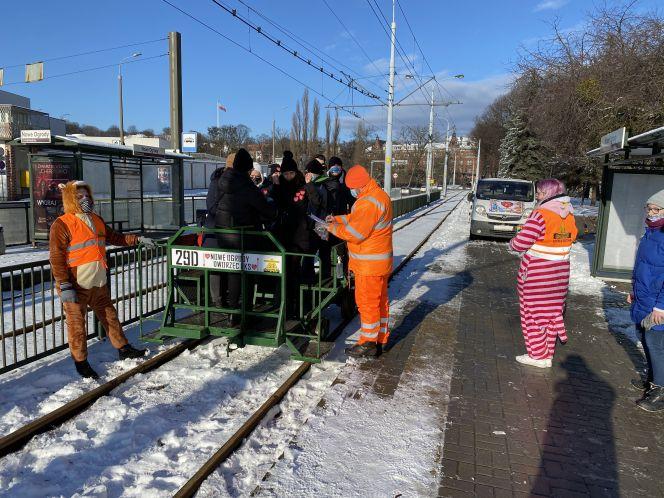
point(522, 154)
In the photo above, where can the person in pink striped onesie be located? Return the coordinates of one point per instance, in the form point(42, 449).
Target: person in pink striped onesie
point(544, 244)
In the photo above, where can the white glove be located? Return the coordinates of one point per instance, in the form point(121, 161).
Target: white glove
point(147, 242)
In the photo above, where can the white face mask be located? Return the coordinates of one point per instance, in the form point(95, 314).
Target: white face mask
point(86, 205)
point(354, 192)
point(656, 217)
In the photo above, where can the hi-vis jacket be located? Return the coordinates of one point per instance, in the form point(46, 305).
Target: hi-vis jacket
point(368, 231)
point(560, 234)
point(85, 245)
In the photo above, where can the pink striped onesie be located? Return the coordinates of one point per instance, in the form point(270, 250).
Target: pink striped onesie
point(542, 286)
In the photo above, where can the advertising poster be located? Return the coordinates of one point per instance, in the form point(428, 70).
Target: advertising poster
point(47, 173)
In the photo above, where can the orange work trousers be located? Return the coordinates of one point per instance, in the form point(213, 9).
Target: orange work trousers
point(373, 303)
point(99, 300)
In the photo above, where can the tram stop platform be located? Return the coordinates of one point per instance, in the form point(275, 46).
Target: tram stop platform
point(449, 394)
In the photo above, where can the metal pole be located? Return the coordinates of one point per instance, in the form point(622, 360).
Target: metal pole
point(273, 124)
point(175, 66)
point(217, 113)
point(445, 167)
point(477, 174)
point(454, 172)
point(122, 138)
point(430, 151)
point(387, 181)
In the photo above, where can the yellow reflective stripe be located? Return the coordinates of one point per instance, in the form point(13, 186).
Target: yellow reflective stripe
point(371, 257)
point(354, 232)
point(87, 243)
point(382, 224)
point(551, 250)
point(376, 202)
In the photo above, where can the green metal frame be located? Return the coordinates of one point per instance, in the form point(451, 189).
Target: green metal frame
point(194, 316)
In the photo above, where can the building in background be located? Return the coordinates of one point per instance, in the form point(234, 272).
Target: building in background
point(16, 115)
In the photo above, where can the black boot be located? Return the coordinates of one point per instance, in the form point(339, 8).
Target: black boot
point(640, 384)
point(129, 351)
point(366, 350)
point(653, 401)
point(85, 370)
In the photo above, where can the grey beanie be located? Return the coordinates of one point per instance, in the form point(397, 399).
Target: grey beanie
point(657, 199)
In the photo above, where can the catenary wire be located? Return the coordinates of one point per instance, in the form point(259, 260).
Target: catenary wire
point(90, 52)
point(86, 70)
point(216, 31)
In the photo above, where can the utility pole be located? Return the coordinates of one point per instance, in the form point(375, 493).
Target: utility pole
point(175, 66)
point(447, 133)
point(430, 152)
point(477, 174)
point(175, 79)
point(387, 181)
point(454, 172)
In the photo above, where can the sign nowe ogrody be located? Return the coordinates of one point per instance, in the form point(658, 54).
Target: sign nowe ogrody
point(615, 140)
point(35, 136)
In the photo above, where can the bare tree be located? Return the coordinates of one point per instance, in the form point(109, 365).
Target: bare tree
point(296, 131)
point(305, 124)
point(415, 139)
point(335, 133)
point(313, 133)
point(328, 126)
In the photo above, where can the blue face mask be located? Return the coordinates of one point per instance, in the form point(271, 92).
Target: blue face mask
point(354, 192)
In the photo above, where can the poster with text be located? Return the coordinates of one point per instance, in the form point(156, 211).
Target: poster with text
point(47, 174)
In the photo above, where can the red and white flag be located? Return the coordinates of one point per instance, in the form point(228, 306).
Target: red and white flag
point(221, 107)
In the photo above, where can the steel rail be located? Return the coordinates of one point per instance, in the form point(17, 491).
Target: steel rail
point(192, 485)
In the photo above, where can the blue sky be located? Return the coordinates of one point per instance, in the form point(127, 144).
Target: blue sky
point(478, 38)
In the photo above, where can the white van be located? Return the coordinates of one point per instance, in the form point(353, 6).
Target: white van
point(500, 207)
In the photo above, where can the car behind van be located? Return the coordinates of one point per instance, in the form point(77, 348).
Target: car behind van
point(500, 207)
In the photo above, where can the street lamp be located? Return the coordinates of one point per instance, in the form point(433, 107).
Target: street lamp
point(136, 54)
point(273, 128)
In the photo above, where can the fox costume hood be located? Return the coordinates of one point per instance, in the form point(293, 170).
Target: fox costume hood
point(69, 200)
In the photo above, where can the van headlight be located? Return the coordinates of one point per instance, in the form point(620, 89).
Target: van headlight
point(481, 210)
point(527, 213)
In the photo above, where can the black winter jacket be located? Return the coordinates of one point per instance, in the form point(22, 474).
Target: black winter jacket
point(213, 197)
point(293, 227)
point(242, 204)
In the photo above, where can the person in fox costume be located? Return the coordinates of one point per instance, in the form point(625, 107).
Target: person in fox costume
point(77, 252)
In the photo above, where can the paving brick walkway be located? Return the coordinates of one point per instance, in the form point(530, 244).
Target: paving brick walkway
point(572, 430)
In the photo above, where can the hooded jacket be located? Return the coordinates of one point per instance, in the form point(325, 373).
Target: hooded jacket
point(294, 227)
point(241, 202)
point(648, 276)
point(88, 275)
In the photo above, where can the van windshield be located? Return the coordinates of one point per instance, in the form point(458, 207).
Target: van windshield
point(505, 190)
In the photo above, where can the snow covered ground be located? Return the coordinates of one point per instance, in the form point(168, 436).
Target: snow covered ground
point(152, 433)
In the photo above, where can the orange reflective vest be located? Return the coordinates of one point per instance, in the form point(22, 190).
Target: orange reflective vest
point(368, 231)
point(86, 245)
point(560, 233)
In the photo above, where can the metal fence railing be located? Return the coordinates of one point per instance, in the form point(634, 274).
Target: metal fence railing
point(32, 321)
point(411, 203)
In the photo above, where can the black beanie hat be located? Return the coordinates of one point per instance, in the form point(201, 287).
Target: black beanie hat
point(288, 163)
point(243, 161)
point(314, 167)
point(335, 161)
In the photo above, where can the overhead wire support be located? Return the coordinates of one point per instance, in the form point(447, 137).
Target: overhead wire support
point(90, 52)
point(263, 59)
point(293, 52)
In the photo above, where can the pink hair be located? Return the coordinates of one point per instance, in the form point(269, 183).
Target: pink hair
point(551, 187)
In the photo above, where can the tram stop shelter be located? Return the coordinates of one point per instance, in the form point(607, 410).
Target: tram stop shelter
point(136, 188)
point(633, 170)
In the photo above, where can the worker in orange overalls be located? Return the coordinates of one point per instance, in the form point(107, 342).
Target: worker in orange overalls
point(368, 232)
point(77, 252)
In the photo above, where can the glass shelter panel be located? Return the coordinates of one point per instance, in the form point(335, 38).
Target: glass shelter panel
point(97, 174)
point(160, 199)
point(127, 201)
point(626, 215)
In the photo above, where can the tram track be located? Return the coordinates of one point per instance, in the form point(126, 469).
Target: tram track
point(191, 487)
point(17, 439)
